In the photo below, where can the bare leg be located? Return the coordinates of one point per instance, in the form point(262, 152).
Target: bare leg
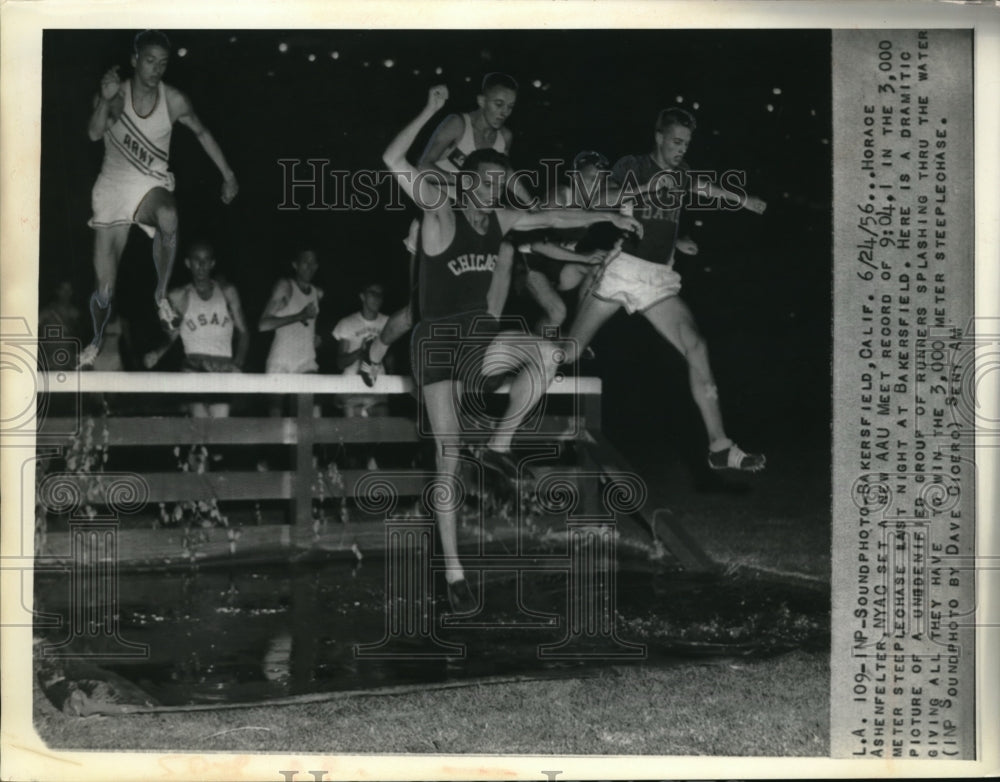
point(159, 208)
point(398, 324)
point(573, 274)
point(440, 401)
point(526, 388)
point(593, 314)
point(673, 320)
point(109, 244)
point(541, 291)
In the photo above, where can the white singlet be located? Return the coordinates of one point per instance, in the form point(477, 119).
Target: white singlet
point(294, 346)
point(207, 327)
point(454, 156)
point(135, 161)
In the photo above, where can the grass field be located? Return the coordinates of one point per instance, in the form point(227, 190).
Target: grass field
point(763, 707)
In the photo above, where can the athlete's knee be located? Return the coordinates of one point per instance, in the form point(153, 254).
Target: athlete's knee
point(689, 340)
point(103, 295)
point(557, 311)
point(166, 219)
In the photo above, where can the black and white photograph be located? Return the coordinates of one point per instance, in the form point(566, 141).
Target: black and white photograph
point(473, 396)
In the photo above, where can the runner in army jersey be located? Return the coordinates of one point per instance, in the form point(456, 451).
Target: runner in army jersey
point(135, 118)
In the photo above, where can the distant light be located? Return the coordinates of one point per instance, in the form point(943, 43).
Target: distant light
point(812, 112)
point(536, 83)
point(698, 223)
point(388, 63)
point(182, 52)
point(232, 39)
point(439, 70)
point(546, 86)
point(784, 195)
point(468, 78)
point(416, 71)
point(282, 47)
point(270, 73)
point(770, 107)
point(680, 98)
point(776, 90)
point(334, 55)
point(365, 63)
point(824, 141)
point(708, 269)
point(312, 58)
point(695, 106)
point(715, 133)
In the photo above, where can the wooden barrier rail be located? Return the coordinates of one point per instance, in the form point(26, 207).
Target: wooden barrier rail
point(302, 432)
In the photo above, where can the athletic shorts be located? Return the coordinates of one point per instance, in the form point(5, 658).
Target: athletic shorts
point(202, 363)
point(115, 200)
point(549, 268)
point(278, 367)
point(451, 348)
point(637, 284)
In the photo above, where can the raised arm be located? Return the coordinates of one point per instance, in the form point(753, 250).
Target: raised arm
point(562, 218)
point(182, 111)
point(427, 192)
point(735, 197)
point(445, 134)
point(107, 105)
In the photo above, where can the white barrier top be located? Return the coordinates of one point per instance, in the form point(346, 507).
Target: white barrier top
point(238, 383)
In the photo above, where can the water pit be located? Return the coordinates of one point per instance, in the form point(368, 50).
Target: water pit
point(233, 633)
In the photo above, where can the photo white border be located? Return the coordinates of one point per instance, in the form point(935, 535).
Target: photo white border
point(24, 756)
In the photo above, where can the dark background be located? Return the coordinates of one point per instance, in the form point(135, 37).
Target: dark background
point(760, 288)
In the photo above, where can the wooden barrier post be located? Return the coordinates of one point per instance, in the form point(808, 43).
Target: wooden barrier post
point(303, 470)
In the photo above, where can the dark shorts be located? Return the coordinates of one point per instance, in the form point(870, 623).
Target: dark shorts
point(549, 268)
point(451, 348)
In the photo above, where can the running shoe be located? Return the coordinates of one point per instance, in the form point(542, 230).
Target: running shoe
point(460, 597)
point(88, 356)
point(169, 319)
point(368, 369)
point(734, 458)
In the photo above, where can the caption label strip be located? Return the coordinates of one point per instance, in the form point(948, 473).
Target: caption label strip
point(902, 657)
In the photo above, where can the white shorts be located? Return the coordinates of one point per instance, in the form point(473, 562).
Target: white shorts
point(279, 367)
point(115, 199)
point(637, 284)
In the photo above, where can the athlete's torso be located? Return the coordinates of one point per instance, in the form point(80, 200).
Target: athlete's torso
point(660, 213)
point(139, 145)
point(355, 330)
point(458, 279)
point(207, 326)
point(454, 156)
point(296, 342)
